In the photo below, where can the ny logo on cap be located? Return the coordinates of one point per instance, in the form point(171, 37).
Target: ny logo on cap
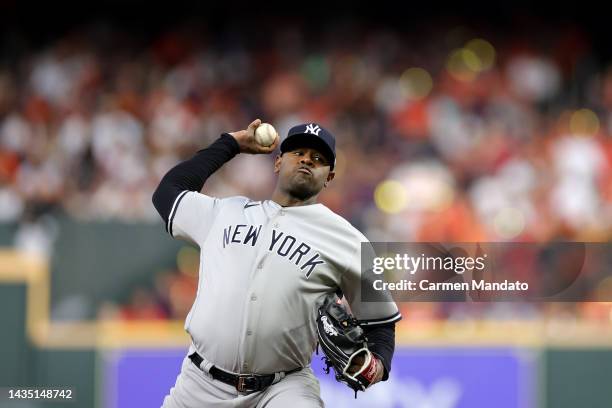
point(313, 129)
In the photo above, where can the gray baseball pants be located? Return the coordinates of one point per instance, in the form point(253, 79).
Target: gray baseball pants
point(195, 388)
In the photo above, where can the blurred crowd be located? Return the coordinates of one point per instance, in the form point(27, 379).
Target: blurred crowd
point(445, 133)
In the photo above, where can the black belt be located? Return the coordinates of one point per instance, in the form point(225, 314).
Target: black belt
point(242, 382)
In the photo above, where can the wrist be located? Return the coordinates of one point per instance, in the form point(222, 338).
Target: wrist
point(374, 371)
point(232, 141)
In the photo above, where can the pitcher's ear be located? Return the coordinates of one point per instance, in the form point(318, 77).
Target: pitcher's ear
point(277, 163)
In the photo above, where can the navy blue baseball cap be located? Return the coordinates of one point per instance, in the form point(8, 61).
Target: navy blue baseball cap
point(314, 136)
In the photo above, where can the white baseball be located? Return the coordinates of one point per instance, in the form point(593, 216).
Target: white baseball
point(265, 134)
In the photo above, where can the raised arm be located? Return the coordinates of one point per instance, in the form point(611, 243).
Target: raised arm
point(191, 174)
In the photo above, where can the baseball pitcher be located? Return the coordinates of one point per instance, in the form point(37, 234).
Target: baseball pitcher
point(268, 273)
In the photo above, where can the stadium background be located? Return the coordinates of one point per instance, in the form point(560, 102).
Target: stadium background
point(490, 127)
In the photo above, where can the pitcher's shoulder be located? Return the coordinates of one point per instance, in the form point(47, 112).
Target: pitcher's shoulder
point(236, 200)
point(343, 224)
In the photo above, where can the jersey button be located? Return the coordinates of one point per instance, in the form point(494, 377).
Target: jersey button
point(260, 265)
point(253, 297)
point(249, 332)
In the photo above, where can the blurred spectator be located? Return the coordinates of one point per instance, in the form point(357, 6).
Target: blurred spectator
point(142, 305)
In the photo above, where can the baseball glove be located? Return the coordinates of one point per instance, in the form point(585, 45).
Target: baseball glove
point(345, 346)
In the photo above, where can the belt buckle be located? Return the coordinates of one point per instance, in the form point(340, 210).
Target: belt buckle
point(242, 386)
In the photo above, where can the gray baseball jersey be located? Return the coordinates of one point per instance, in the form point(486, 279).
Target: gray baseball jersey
point(262, 269)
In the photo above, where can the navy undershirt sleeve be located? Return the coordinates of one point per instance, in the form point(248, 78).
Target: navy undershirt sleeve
point(192, 174)
point(381, 339)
